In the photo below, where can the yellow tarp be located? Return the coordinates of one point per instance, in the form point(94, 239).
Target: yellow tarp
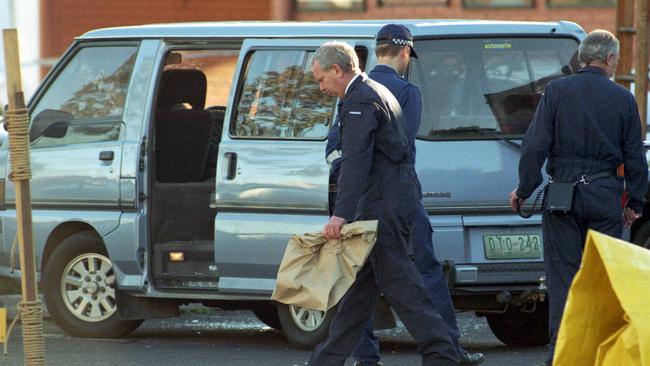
point(606, 321)
point(315, 273)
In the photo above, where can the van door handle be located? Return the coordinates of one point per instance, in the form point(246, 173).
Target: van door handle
point(232, 165)
point(106, 155)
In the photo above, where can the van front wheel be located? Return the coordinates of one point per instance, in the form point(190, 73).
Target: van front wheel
point(79, 289)
point(304, 328)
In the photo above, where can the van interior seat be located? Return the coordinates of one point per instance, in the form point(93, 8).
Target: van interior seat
point(182, 134)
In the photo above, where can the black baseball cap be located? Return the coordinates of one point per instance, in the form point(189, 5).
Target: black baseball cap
point(398, 35)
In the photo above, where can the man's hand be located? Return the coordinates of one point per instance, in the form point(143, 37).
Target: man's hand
point(629, 216)
point(333, 228)
point(515, 201)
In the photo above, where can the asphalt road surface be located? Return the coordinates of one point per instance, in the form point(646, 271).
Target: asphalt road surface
point(237, 338)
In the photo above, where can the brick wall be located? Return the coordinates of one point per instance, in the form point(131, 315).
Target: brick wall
point(589, 18)
point(62, 20)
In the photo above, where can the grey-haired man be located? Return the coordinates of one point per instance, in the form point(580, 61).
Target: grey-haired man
point(586, 125)
point(376, 181)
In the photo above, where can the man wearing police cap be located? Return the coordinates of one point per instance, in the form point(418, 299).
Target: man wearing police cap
point(394, 51)
point(376, 181)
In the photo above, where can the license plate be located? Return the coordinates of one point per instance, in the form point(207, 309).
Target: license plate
point(517, 246)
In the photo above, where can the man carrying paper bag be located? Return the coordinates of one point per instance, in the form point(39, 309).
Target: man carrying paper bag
point(376, 182)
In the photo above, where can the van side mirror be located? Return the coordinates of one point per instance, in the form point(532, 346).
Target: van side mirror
point(56, 130)
point(50, 123)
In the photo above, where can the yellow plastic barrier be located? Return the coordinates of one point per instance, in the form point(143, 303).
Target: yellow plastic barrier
point(3, 324)
point(606, 321)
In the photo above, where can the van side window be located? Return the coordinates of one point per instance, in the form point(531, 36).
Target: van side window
point(280, 98)
point(478, 88)
point(86, 101)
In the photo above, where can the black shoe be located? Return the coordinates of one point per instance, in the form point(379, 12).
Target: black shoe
point(468, 358)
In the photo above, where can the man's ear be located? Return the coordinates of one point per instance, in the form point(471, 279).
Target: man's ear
point(337, 70)
point(406, 51)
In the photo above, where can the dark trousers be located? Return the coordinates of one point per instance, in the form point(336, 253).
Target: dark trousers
point(367, 349)
point(389, 270)
point(597, 206)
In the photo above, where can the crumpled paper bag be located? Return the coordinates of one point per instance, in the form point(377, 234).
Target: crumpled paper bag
point(316, 273)
point(606, 321)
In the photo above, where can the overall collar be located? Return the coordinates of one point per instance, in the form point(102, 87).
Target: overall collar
point(385, 68)
point(356, 80)
point(593, 69)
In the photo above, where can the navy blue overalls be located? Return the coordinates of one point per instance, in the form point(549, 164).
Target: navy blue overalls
point(410, 99)
point(376, 181)
point(584, 124)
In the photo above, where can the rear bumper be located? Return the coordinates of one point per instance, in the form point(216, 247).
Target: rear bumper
point(495, 274)
point(495, 287)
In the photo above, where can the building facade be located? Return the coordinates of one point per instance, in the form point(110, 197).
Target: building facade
point(62, 20)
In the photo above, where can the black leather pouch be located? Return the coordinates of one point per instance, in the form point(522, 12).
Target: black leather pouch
point(558, 198)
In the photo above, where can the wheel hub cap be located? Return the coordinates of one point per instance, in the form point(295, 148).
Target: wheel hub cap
point(306, 319)
point(88, 287)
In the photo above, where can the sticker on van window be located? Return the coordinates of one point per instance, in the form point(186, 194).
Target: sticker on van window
point(498, 46)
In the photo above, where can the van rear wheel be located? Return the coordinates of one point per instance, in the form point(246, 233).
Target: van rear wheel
point(517, 328)
point(79, 289)
point(304, 328)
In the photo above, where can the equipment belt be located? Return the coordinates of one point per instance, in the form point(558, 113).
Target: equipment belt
point(586, 179)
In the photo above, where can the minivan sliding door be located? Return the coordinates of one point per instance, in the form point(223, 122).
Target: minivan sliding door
point(272, 178)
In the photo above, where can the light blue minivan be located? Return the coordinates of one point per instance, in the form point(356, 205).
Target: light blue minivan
point(172, 163)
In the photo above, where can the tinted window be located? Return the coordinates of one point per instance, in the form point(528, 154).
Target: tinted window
point(281, 99)
point(480, 87)
point(85, 102)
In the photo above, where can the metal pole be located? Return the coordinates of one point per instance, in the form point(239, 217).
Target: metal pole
point(625, 32)
point(641, 75)
point(12, 13)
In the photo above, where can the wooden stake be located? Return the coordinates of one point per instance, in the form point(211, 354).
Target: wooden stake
point(23, 197)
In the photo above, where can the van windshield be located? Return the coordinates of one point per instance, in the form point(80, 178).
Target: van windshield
point(478, 88)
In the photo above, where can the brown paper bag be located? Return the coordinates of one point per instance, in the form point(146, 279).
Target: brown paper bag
point(316, 273)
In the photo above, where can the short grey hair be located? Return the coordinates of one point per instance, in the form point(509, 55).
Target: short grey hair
point(598, 45)
point(339, 53)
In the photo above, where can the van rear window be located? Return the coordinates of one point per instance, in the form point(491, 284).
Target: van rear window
point(477, 88)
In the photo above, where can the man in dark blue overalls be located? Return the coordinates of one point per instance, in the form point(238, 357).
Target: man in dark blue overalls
point(376, 182)
point(586, 125)
point(394, 51)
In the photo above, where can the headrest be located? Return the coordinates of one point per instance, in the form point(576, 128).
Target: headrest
point(182, 86)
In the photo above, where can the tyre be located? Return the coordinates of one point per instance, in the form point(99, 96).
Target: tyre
point(304, 328)
point(79, 289)
point(642, 235)
point(517, 328)
point(267, 313)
